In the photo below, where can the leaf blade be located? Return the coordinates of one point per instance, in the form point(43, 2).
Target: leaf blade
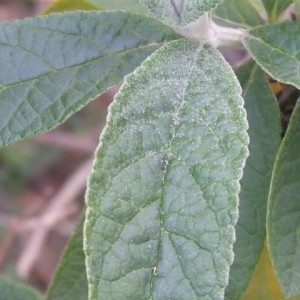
point(131, 233)
point(14, 290)
point(264, 131)
point(69, 281)
point(237, 13)
point(276, 49)
point(180, 12)
point(283, 210)
point(77, 57)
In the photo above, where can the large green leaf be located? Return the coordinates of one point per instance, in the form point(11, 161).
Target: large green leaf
point(276, 48)
point(52, 66)
point(69, 281)
point(180, 12)
point(14, 290)
point(130, 5)
point(275, 7)
point(264, 132)
point(283, 218)
point(162, 198)
point(237, 13)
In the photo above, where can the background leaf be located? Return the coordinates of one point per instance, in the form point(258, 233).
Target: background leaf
point(276, 48)
point(180, 12)
point(64, 5)
point(130, 5)
point(274, 8)
point(283, 219)
point(14, 290)
point(54, 65)
point(264, 131)
point(69, 281)
point(161, 209)
point(237, 13)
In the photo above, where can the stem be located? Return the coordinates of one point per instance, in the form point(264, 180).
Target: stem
point(206, 31)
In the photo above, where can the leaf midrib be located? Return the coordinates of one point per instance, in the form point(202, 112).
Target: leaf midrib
point(168, 164)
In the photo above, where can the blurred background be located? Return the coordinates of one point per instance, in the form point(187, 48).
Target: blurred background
point(42, 181)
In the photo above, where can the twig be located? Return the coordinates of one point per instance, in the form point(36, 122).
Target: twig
point(56, 211)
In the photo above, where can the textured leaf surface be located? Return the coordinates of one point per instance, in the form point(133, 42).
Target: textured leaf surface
point(283, 219)
point(52, 66)
point(70, 281)
point(13, 290)
point(180, 12)
point(237, 13)
point(275, 7)
point(276, 48)
point(162, 197)
point(64, 5)
point(130, 5)
point(264, 132)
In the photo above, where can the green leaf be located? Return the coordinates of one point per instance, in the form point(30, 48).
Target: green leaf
point(274, 8)
point(180, 12)
point(64, 5)
point(69, 281)
point(264, 131)
point(14, 290)
point(283, 218)
point(162, 197)
point(54, 65)
point(237, 13)
point(276, 48)
point(130, 5)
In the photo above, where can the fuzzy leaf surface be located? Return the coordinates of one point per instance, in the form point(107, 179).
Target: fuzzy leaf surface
point(283, 218)
point(180, 12)
point(52, 66)
point(70, 281)
point(275, 7)
point(130, 5)
point(237, 13)
point(276, 48)
point(264, 131)
point(13, 290)
point(163, 194)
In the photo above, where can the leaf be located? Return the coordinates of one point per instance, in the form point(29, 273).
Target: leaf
point(162, 197)
point(274, 8)
point(264, 131)
point(180, 12)
point(264, 284)
point(14, 290)
point(54, 65)
point(64, 5)
point(70, 280)
point(237, 13)
point(276, 48)
point(130, 5)
point(283, 217)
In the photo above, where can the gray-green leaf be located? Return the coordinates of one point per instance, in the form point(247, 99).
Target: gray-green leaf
point(14, 290)
point(283, 218)
point(130, 5)
point(180, 12)
point(237, 13)
point(264, 132)
point(275, 7)
point(276, 48)
point(70, 281)
point(163, 194)
point(52, 66)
